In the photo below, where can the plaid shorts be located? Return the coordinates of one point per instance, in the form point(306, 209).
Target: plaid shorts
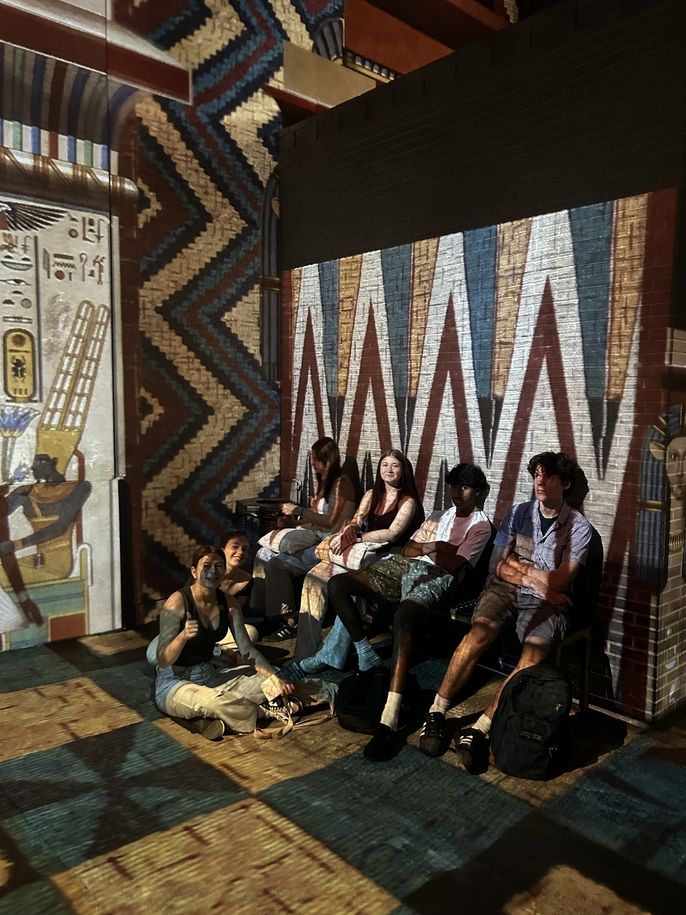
point(398, 578)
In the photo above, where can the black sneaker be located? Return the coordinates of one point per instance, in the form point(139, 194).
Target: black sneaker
point(433, 739)
point(471, 747)
point(210, 728)
point(384, 745)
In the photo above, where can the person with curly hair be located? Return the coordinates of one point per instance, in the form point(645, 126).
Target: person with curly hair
point(538, 551)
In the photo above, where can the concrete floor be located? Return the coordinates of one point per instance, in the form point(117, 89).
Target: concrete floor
point(106, 806)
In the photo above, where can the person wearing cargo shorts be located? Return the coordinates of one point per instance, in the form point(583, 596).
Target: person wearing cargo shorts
point(539, 548)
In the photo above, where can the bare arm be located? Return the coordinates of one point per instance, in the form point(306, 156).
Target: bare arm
point(449, 556)
point(250, 652)
point(175, 630)
point(401, 522)
point(246, 647)
point(343, 508)
point(559, 579)
point(443, 553)
point(549, 586)
point(235, 585)
point(348, 533)
point(68, 509)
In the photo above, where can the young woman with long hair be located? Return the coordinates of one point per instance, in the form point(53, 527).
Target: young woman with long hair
point(330, 508)
point(387, 514)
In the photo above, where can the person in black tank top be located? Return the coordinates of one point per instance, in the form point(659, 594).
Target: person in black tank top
point(192, 681)
point(385, 518)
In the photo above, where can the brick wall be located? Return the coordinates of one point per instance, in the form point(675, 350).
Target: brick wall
point(542, 170)
point(202, 414)
point(579, 104)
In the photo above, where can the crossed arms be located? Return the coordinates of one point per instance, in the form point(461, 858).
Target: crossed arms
point(549, 586)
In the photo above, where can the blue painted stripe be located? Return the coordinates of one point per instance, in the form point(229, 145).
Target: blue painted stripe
point(591, 228)
point(396, 268)
point(480, 255)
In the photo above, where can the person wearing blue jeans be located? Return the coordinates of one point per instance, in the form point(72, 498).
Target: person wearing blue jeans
point(446, 546)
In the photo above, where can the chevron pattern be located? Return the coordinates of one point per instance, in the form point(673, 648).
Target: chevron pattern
point(494, 344)
point(209, 426)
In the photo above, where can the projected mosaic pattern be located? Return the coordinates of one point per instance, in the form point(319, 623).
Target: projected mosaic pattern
point(209, 418)
point(107, 807)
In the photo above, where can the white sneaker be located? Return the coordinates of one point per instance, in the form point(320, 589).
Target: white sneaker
point(281, 710)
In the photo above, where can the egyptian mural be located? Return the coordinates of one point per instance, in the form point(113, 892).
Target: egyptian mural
point(56, 424)
point(492, 344)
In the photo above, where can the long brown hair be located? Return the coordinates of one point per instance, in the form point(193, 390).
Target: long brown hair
point(407, 485)
point(326, 450)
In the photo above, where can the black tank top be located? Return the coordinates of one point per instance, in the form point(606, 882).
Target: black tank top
point(380, 522)
point(201, 647)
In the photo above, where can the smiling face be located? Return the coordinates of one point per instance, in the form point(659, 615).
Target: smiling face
point(391, 471)
point(464, 498)
point(236, 550)
point(549, 488)
point(210, 570)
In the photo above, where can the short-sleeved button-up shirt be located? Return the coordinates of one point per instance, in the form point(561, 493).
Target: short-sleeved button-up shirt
point(566, 540)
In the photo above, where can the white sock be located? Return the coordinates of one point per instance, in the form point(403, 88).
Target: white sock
point(440, 704)
point(483, 724)
point(391, 711)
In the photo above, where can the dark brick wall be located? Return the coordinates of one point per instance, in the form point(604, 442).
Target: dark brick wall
point(581, 103)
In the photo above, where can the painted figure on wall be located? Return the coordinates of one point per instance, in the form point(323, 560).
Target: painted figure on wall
point(675, 463)
point(675, 467)
point(52, 505)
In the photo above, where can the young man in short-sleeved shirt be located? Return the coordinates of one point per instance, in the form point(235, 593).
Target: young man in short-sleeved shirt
point(446, 547)
point(537, 553)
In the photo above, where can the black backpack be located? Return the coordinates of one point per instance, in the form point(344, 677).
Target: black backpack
point(530, 733)
point(361, 698)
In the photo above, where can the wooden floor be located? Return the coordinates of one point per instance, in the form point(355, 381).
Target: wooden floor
point(107, 807)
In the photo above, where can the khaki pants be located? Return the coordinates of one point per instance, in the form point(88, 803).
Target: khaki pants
point(231, 694)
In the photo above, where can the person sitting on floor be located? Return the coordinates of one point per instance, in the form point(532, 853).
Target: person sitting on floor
point(236, 587)
point(385, 517)
point(446, 546)
point(538, 550)
point(192, 683)
point(237, 583)
point(331, 506)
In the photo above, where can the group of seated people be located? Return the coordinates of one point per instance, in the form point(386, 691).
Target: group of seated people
point(418, 566)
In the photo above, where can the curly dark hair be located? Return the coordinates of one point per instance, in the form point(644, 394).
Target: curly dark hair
point(555, 464)
point(468, 475)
